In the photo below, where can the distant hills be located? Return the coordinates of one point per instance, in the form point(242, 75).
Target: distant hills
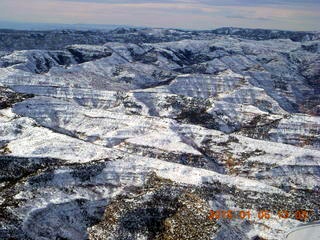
point(56, 26)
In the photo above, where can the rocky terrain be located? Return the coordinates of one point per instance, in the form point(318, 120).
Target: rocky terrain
point(139, 133)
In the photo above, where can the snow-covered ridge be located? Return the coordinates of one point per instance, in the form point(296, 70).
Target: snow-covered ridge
point(23, 40)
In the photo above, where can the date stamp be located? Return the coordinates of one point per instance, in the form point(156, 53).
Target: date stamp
point(301, 215)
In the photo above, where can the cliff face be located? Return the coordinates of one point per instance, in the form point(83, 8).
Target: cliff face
point(140, 136)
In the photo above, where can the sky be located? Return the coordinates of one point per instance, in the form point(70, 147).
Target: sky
point(186, 14)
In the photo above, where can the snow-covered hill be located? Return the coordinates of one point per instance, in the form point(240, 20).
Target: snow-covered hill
point(137, 134)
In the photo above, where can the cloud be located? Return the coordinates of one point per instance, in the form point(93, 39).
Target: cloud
point(292, 3)
point(214, 2)
point(238, 16)
point(202, 14)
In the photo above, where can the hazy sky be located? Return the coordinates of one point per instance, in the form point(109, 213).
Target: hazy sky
point(202, 14)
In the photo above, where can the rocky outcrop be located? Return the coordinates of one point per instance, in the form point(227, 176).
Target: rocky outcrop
point(9, 97)
point(160, 210)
